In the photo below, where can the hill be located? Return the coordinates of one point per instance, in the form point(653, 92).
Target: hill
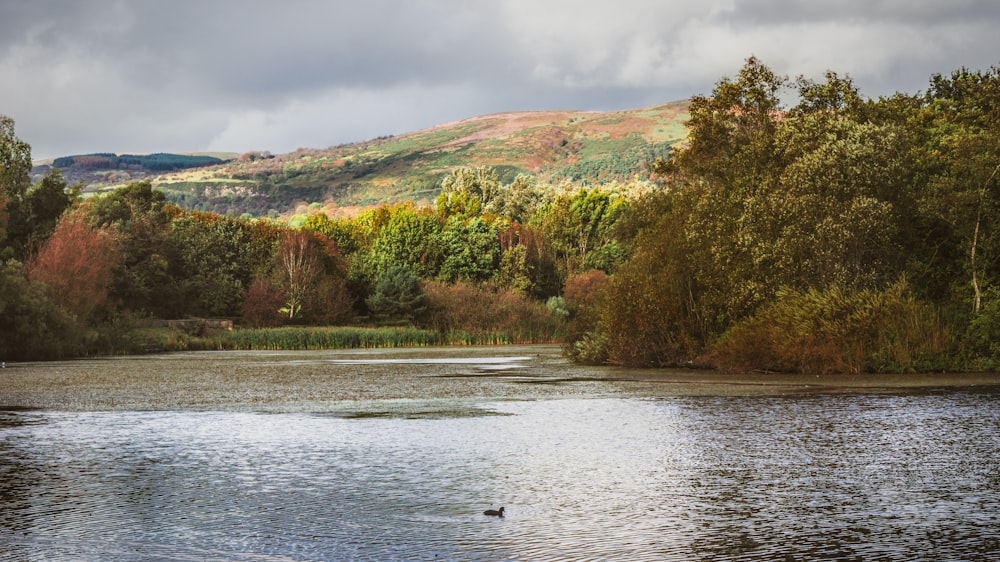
point(578, 146)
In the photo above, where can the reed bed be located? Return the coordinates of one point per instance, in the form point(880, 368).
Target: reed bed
point(327, 337)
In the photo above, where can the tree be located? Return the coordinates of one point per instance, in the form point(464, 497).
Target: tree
point(527, 263)
point(471, 250)
point(34, 215)
point(653, 312)
point(731, 133)
point(519, 200)
point(15, 169)
point(15, 162)
point(398, 295)
point(46, 201)
point(965, 143)
point(144, 281)
point(581, 226)
point(341, 232)
point(33, 327)
point(467, 192)
point(213, 266)
point(299, 268)
point(76, 266)
point(408, 239)
point(262, 303)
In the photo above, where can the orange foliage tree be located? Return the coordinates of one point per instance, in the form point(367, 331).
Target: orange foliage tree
point(76, 265)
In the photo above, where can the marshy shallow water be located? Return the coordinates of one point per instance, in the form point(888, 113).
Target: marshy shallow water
point(395, 454)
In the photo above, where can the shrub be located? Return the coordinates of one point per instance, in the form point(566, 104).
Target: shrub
point(261, 304)
point(480, 313)
point(832, 330)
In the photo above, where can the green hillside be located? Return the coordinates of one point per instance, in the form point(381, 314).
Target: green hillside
point(556, 146)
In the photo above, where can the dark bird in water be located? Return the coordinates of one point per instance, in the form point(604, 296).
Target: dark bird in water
point(494, 512)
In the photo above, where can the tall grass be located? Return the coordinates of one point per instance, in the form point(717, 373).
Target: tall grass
point(338, 337)
point(301, 338)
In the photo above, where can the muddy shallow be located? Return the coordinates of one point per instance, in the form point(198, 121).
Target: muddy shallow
point(347, 379)
point(333, 380)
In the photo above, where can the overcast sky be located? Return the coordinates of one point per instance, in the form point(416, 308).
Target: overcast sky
point(178, 75)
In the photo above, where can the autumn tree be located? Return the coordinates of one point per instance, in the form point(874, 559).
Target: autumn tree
point(76, 266)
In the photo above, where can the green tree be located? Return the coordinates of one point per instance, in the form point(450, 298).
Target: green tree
point(409, 239)
point(28, 214)
point(527, 264)
point(33, 327)
point(144, 281)
point(15, 162)
point(965, 144)
point(467, 192)
point(471, 250)
point(519, 200)
point(213, 269)
point(398, 296)
point(33, 216)
point(341, 232)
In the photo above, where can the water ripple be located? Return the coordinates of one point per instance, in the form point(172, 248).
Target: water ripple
point(742, 478)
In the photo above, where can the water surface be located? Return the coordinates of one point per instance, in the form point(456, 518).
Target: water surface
point(324, 457)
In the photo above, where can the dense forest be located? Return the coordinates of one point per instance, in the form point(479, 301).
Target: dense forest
point(832, 233)
point(157, 162)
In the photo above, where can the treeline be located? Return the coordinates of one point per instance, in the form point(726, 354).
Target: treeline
point(157, 162)
point(487, 264)
point(835, 233)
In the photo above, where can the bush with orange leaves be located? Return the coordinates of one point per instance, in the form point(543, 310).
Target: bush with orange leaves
point(469, 312)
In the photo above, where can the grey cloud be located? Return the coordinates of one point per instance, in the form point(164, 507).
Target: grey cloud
point(185, 75)
point(860, 12)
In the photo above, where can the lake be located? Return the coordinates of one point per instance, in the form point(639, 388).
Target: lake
point(394, 454)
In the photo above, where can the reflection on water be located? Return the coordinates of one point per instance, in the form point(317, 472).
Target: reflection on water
point(849, 476)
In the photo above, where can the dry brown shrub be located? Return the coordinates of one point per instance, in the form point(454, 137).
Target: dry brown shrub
point(261, 302)
point(583, 290)
point(481, 310)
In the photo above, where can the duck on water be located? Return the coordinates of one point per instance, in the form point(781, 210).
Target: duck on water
point(494, 512)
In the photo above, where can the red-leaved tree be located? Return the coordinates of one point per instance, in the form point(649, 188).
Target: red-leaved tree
point(76, 265)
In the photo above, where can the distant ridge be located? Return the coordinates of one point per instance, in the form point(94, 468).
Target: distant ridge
point(582, 147)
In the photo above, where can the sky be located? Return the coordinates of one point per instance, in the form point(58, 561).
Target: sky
point(240, 75)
